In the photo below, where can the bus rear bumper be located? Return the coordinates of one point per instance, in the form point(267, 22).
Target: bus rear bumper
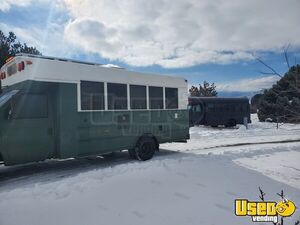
point(182, 141)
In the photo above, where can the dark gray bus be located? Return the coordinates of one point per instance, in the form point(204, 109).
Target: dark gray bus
point(214, 111)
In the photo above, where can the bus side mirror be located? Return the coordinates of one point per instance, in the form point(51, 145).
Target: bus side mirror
point(9, 116)
point(8, 113)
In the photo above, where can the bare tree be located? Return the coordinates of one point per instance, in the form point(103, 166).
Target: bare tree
point(288, 97)
point(282, 196)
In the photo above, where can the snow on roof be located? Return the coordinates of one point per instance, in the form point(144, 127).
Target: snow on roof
point(112, 66)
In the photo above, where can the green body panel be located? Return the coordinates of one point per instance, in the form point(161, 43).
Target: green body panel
point(67, 133)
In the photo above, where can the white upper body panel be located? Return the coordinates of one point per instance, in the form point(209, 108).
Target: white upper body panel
point(45, 69)
point(67, 71)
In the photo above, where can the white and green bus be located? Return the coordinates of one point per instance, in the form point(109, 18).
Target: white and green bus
point(59, 108)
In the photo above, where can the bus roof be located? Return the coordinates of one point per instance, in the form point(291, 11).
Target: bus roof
point(64, 60)
point(217, 99)
point(52, 69)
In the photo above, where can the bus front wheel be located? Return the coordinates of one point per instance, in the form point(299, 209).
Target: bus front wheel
point(145, 148)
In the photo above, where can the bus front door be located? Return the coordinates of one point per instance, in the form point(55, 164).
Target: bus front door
point(29, 136)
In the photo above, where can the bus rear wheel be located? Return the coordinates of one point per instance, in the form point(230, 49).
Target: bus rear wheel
point(145, 148)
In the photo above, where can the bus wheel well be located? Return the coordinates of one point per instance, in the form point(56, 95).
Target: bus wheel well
point(156, 143)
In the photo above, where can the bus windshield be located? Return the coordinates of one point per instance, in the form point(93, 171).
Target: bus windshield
point(195, 108)
point(7, 96)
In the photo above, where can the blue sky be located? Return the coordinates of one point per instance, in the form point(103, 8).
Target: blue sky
point(198, 40)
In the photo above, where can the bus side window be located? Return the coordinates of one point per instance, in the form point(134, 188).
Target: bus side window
point(171, 98)
point(92, 95)
point(220, 108)
point(117, 96)
point(242, 108)
point(138, 98)
point(30, 106)
point(210, 107)
point(228, 107)
point(156, 98)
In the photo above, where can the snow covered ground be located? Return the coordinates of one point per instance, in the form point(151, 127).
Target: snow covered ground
point(192, 183)
point(207, 137)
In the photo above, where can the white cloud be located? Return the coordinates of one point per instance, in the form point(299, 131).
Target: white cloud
point(248, 85)
point(48, 39)
point(5, 5)
point(176, 33)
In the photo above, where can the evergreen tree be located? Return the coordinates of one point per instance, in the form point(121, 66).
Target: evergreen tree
point(9, 46)
point(205, 90)
point(281, 103)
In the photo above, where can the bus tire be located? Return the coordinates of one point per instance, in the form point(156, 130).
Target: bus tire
point(145, 148)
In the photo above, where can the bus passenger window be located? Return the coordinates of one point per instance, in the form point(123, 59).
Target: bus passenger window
point(156, 98)
point(171, 98)
point(241, 108)
point(210, 107)
point(117, 96)
point(12, 69)
point(30, 106)
point(227, 107)
point(92, 95)
point(138, 97)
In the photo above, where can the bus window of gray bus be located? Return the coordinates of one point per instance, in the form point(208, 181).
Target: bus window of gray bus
point(195, 108)
point(210, 107)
